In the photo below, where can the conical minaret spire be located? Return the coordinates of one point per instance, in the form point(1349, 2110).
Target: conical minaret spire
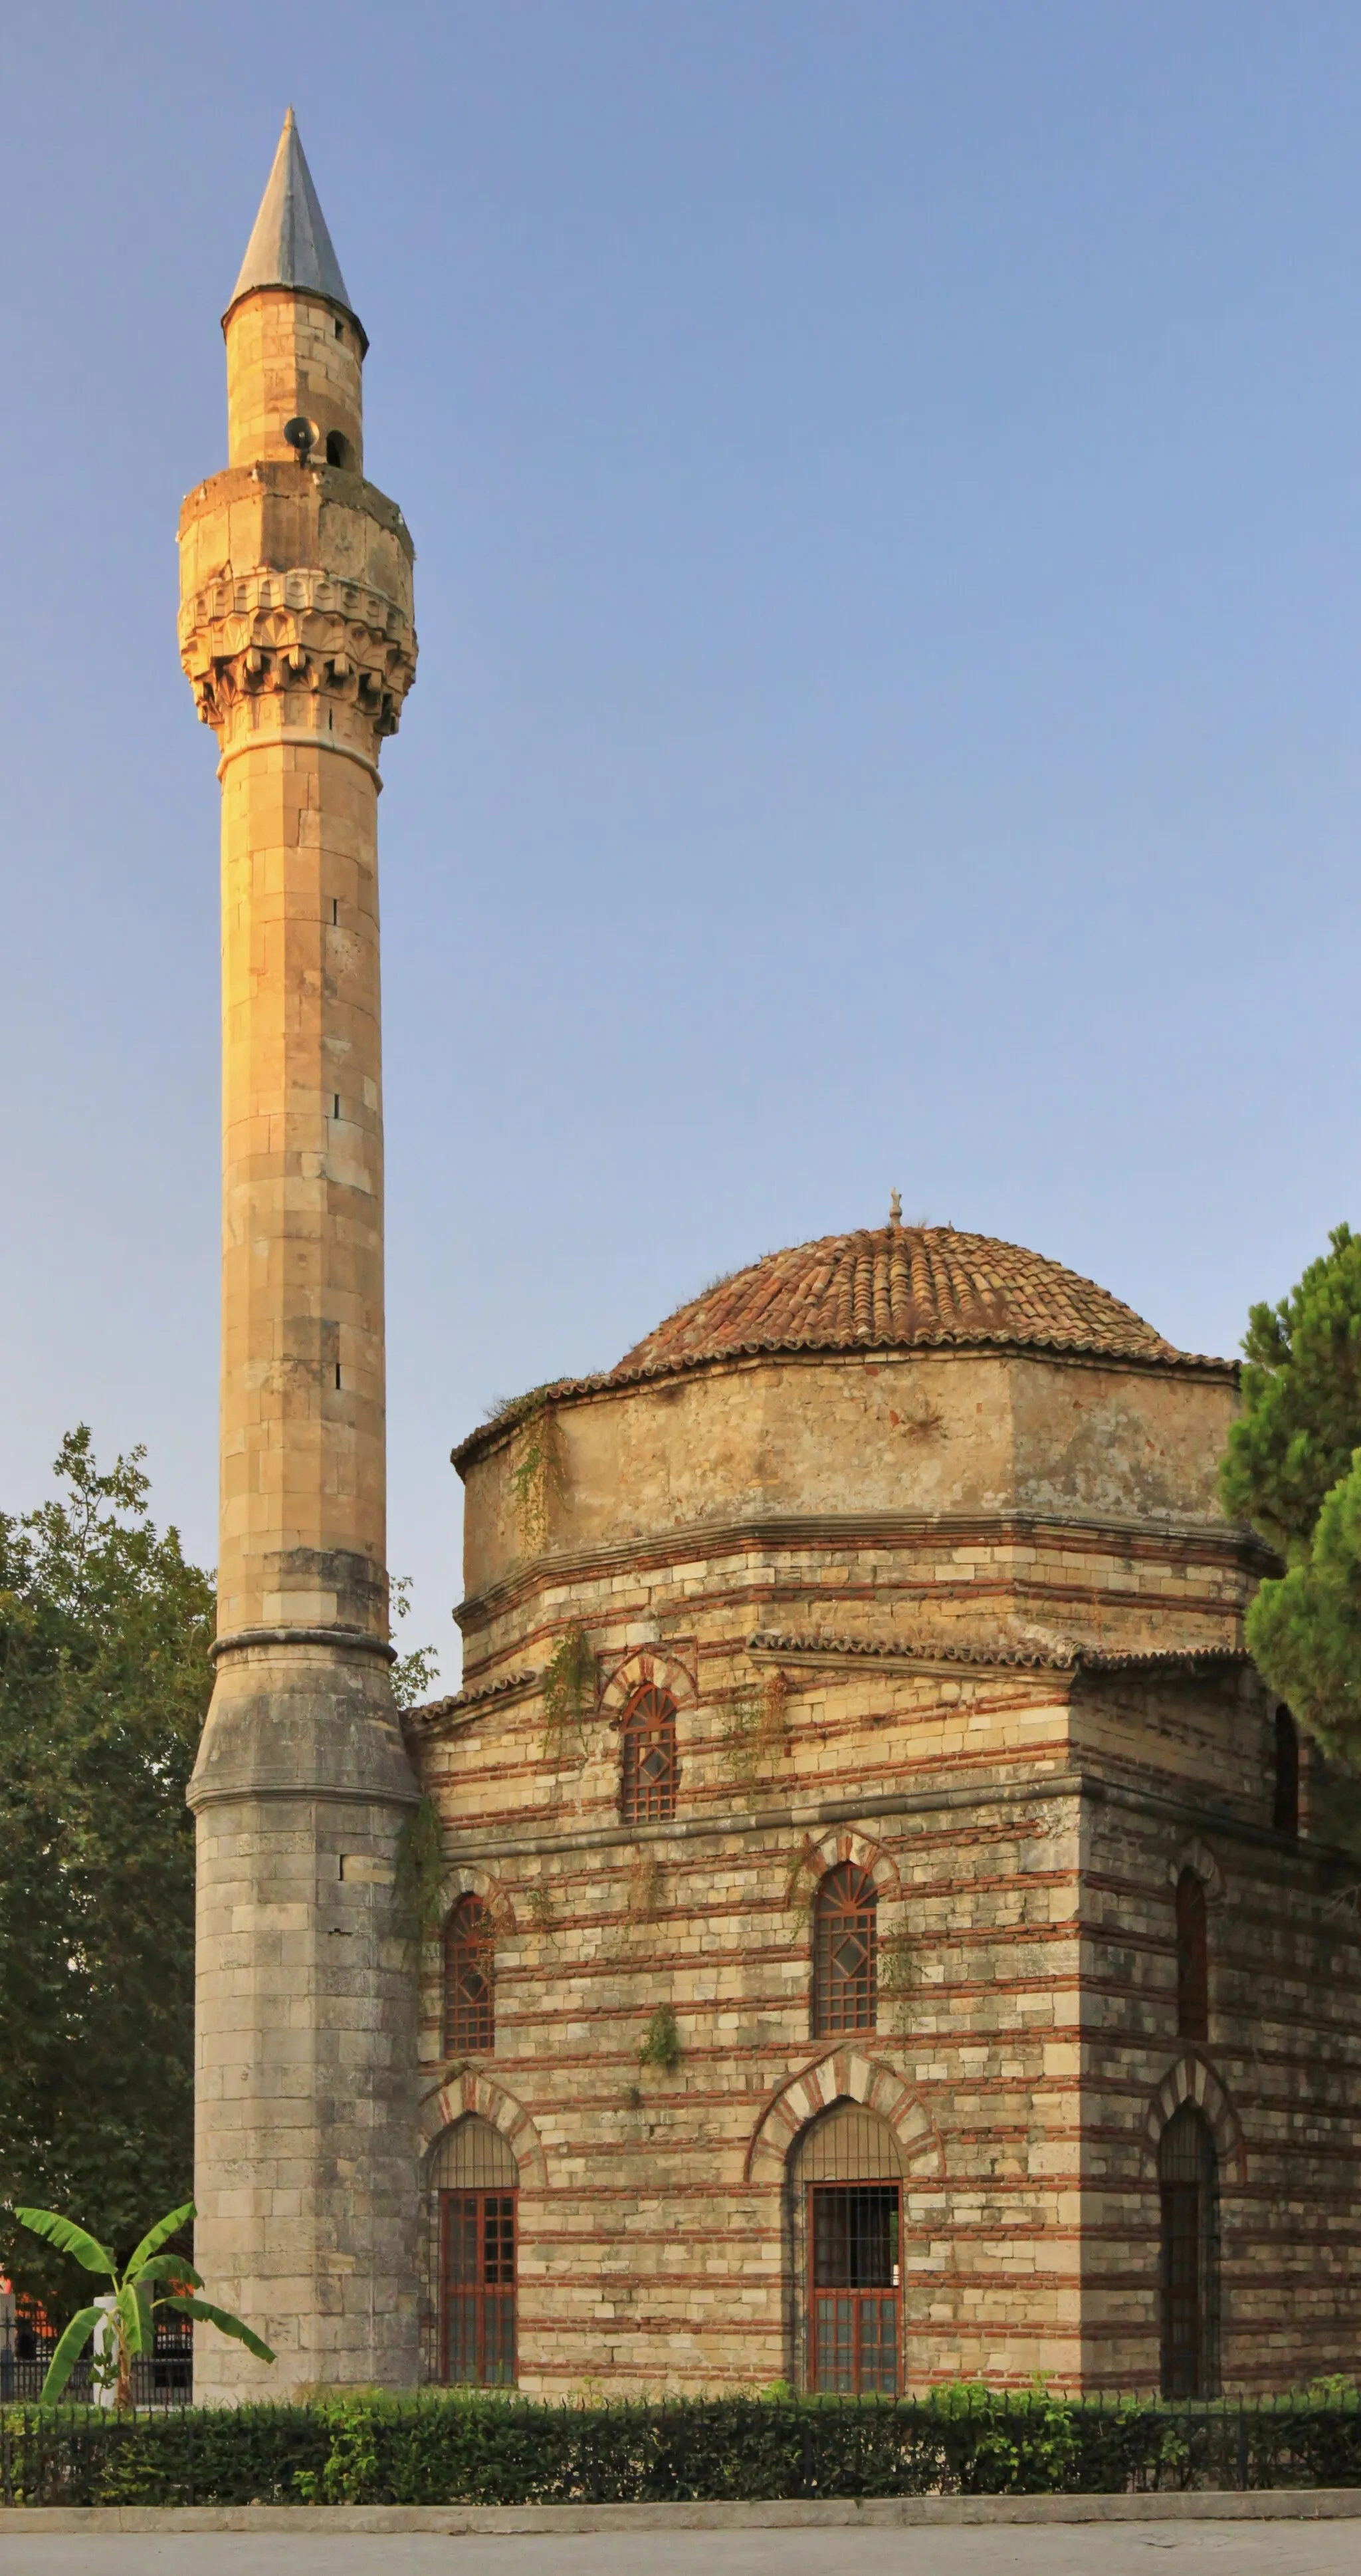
point(289, 244)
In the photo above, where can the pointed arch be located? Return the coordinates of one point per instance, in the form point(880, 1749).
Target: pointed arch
point(824, 1852)
point(844, 2075)
point(468, 1880)
point(661, 1668)
point(475, 2091)
point(1192, 2080)
point(1198, 1857)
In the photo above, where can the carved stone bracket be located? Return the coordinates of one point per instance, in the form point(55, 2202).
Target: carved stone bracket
point(259, 633)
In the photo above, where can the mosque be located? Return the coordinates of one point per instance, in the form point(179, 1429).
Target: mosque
point(875, 1930)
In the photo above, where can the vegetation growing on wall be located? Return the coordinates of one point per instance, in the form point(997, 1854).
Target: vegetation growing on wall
point(568, 1697)
point(418, 1885)
point(755, 1724)
point(899, 1981)
point(536, 1473)
point(644, 1888)
point(660, 2048)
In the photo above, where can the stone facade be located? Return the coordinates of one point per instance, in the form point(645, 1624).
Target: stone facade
point(967, 1618)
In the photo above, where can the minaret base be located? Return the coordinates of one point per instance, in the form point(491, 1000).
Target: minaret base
point(306, 2179)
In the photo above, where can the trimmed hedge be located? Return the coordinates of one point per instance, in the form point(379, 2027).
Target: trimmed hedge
point(474, 2449)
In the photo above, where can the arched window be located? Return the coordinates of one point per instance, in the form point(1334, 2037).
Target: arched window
point(845, 2217)
point(1188, 2178)
point(845, 1952)
point(469, 1978)
point(472, 2181)
point(1286, 1804)
point(648, 1773)
point(1193, 1959)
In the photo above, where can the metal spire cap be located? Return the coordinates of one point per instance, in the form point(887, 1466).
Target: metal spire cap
point(289, 244)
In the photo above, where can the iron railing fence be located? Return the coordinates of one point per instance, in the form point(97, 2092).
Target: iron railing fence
point(164, 2377)
point(463, 2447)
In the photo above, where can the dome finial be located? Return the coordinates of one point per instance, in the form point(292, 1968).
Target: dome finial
point(895, 1207)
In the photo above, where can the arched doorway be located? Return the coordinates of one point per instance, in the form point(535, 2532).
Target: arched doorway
point(845, 2195)
point(472, 2185)
point(1188, 2187)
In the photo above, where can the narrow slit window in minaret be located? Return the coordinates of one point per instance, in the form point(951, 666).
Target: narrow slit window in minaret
point(337, 1372)
point(335, 911)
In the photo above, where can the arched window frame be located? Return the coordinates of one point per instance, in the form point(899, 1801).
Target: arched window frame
point(1193, 1957)
point(469, 1979)
point(649, 1763)
point(845, 1912)
point(1285, 1814)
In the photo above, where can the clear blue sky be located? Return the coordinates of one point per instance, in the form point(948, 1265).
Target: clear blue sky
point(886, 487)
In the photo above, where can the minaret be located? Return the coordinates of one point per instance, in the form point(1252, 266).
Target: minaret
point(296, 635)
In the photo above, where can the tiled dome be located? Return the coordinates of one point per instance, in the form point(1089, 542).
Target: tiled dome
point(897, 1287)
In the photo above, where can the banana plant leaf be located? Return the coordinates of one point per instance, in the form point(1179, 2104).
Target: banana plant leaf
point(155, 2238)
point(226, 2324)
point(172, 2268)
point(63, 2232)
point(68, 2353)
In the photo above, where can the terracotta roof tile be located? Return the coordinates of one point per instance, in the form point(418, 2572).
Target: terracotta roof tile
point(1051, 1659)
point(897, 1287)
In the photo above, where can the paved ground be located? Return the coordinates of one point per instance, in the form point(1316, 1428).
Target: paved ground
point(1084, 2549)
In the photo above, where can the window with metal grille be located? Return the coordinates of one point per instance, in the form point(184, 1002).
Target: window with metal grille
point(855, 2339)
point(469, 1973)
point(844, 2212)
point(477, 2279)
point(471, 2222)
point(1189, 2266)
point(1286, 1803)
point(845, 1952)
point(1193, 1959)
point(649, 1770)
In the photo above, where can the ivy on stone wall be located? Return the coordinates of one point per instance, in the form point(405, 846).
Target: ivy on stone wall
point(755, 1724)
point(568, 1697)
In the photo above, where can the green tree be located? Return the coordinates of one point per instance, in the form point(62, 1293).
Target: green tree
point(104, 1683)
point(1293, 1468)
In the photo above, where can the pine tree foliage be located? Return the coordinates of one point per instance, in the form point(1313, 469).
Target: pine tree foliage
point(1301, 1418)
point(104, 1684)
point(1293, 1469)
